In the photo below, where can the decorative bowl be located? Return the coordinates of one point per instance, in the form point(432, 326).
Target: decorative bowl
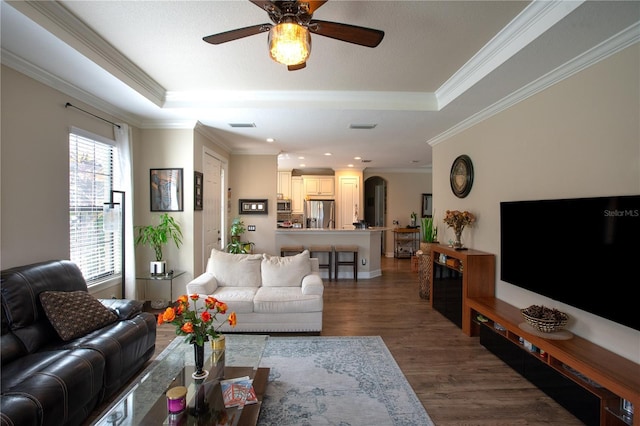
point(544, 319)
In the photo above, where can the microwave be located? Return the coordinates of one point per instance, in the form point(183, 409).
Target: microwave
point(284, 206)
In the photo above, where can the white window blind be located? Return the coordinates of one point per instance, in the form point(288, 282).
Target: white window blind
point(91, 177)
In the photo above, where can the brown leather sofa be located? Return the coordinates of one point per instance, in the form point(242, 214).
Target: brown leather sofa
point(48, 380)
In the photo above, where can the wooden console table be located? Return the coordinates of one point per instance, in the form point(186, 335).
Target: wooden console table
point(463, 274)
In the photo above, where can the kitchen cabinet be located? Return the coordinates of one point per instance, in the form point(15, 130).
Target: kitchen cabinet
point(348, 199)
point(297, 195)
point(318, 185)
point(284, 184)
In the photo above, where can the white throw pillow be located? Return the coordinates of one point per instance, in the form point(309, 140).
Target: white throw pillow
point(286, 271)
point(235, 270)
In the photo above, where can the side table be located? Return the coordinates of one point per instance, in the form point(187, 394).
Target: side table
point(160, 278)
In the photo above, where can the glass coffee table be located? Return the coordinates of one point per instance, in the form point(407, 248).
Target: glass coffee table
point(145, 401)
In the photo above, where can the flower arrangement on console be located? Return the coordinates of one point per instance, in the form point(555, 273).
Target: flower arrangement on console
point(458, 220)
point(197, 323)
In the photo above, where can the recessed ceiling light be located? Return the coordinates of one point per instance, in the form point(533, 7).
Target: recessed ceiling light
point(362, 126)
point(349, 165)
point(242, 124)
point(270, 140)
point(301, 158)
point(357, 158)
point(303, 165)
point(328, 154)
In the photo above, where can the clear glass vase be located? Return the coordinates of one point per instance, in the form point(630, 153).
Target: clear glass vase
point(458, 241)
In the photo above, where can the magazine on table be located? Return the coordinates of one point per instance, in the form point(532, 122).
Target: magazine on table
point(235, 391)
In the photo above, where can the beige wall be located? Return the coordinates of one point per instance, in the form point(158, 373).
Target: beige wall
point(34, 170)
point(579, 138)
point(255, 177)
point(404, 196)
point(159, 149)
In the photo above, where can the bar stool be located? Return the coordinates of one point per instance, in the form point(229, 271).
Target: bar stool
point(349, 249)
point(315, 250)
point(290, 250)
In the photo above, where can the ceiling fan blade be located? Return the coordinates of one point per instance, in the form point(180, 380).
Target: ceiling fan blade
point(315, 5)
point(350, 33)
point(236, 34)
point(296, 67)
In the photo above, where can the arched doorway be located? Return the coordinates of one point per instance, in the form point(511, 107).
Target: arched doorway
point(375, 204)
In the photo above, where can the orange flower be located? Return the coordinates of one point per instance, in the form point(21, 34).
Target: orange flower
point(169, 315)
point(222, 307)
point(210, 302)
point(179, 309)
point(187, 327)
point(194, 321)
point(232, 319)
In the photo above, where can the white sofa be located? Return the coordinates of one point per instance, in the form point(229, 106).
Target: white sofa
point(267, 293)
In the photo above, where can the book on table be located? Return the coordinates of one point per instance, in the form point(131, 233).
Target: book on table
point(238, 392)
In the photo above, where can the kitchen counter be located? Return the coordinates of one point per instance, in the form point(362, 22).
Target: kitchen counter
point(369, 242)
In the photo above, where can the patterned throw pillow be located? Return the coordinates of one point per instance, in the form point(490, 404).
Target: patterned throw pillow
point(75, 313)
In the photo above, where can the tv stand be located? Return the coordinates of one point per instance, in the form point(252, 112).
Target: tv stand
point(585, 378)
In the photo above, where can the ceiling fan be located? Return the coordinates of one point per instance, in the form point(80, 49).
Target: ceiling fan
point(289, 35)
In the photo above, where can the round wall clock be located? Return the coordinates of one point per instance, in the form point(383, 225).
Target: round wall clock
point(461, 176)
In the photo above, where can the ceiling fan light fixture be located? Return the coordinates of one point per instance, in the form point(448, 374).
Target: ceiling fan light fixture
point(289, 43)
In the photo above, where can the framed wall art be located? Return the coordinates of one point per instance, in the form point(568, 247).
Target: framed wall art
point(166, 189)
point(197, 190)
point(253, 207)
point(427, 205)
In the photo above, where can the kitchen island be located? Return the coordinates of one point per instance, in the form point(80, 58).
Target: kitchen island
point(369, 242)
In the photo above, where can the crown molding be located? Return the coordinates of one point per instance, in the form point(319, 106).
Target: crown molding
point(615, 44)
point(533, 21)
point(386, 101)
point(66, 26)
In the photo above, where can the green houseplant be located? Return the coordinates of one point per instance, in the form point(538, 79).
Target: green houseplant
point(428, 236)
point(428, 232)
point(156, 236)
point(236, 245)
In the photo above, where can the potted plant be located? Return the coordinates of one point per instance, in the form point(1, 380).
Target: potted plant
point(156, 237)
point(428, 234)
point(236, 245)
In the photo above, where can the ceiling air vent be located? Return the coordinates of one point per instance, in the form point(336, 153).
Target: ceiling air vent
point(366, 161)
point(242, 124)
point(362, 126)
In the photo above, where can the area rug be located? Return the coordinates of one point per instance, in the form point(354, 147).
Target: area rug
point(342, 381)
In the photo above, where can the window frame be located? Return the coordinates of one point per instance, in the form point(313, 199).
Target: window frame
point(102, 259)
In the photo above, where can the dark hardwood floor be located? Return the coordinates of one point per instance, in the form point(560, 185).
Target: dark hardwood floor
point(457, 380)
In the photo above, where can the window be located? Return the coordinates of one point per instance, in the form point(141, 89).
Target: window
point(92, 167)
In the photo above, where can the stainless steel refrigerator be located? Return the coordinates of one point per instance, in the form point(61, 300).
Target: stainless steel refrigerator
point(320, 214)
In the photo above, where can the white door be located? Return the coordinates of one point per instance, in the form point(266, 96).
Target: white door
point(211, 205)
point(349, 196)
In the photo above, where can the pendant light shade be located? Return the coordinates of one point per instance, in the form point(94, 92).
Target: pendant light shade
point(289, 44)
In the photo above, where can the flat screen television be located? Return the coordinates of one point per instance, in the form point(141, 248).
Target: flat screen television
point(583, 252)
